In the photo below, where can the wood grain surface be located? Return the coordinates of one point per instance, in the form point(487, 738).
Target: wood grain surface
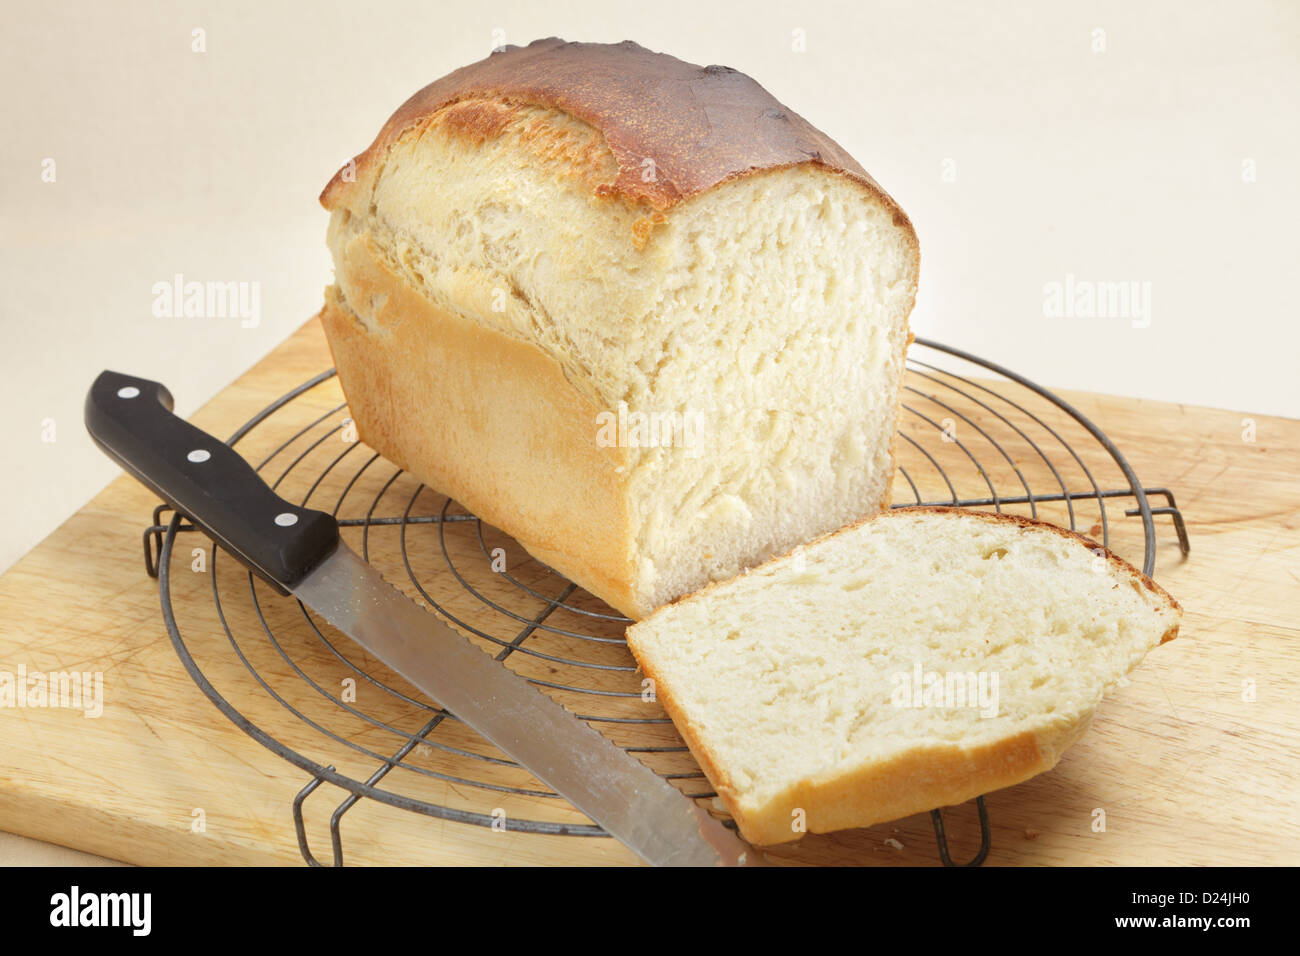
point(1194, 761)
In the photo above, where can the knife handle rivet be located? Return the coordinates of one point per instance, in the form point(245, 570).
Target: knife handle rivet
point(284, 519)
point(199, 455)
point(128, 391)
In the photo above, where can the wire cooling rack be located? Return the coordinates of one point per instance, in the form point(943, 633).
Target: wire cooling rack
point(973, 434)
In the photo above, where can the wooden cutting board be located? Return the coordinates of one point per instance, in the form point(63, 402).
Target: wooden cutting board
point(1194, 761)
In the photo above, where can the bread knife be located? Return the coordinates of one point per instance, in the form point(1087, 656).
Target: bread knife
point(299, 551)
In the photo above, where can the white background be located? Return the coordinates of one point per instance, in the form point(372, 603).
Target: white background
point(1115, 164)
point(1121, 165)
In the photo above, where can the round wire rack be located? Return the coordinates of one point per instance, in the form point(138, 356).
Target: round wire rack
point(973, 434)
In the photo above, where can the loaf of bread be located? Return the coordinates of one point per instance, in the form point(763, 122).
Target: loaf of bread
point(632, 311)
point(913, 660)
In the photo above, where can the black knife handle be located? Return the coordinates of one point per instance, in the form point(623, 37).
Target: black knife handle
point(207, 480)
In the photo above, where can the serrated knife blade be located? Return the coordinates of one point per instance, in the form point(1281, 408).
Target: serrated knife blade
point(299, 551)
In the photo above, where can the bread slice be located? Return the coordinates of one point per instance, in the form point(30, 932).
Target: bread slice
point(632, 311)
point(913, 660)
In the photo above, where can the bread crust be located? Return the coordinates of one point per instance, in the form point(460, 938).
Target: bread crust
point(699, 127)
point(675, 129)
point(917, 780)
point(455, 419)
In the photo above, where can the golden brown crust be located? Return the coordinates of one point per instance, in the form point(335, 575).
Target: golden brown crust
point(571, 151)
point(454, 418)
point(675, 129)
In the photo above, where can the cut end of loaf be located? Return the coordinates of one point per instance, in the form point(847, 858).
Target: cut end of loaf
point(763, 314)
point(914, 660)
